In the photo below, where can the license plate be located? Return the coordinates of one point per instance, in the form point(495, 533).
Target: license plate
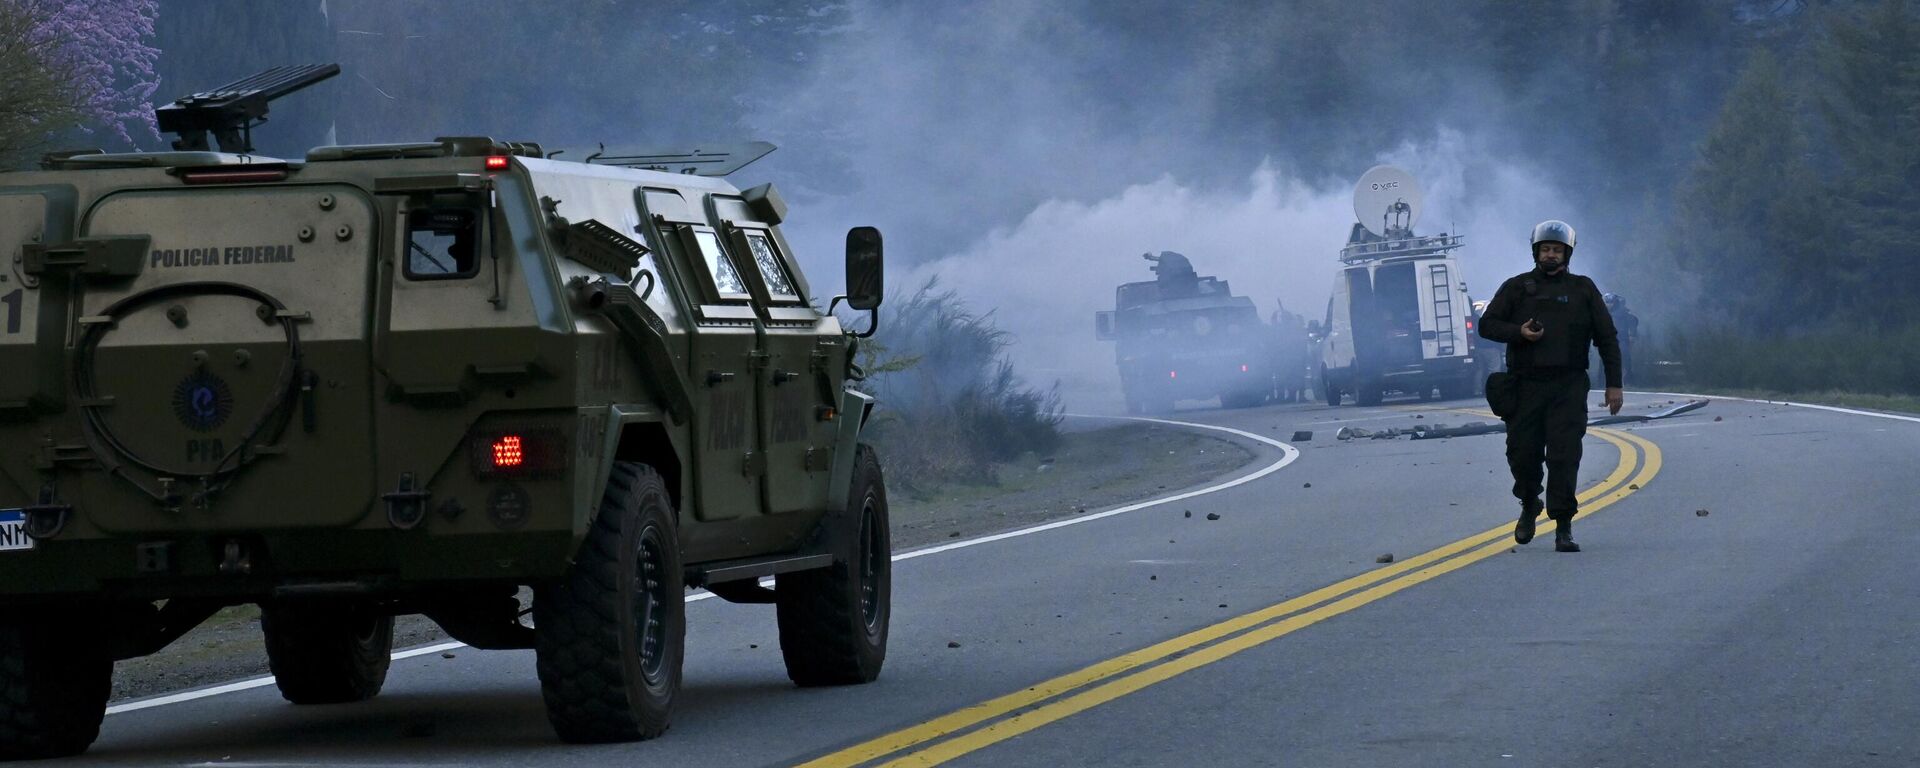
point(13, 530)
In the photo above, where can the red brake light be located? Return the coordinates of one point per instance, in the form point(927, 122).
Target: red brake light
point(229, 175)
point(498, 162)
point(519, 452)
point(507, 452)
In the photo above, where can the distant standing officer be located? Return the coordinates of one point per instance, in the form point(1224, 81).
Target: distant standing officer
point(1547, 317)
point(1629, 326)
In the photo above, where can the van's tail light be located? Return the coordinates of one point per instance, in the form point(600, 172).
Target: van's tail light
point(518, 452)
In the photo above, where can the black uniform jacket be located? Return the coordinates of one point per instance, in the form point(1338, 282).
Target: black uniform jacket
point(1571, 309)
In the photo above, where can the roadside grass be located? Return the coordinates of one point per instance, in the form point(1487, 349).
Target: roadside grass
point(1872, 402)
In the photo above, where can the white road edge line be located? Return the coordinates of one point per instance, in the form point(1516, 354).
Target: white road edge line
point(1288, 455)
point(258, 682)
point(1833, 408)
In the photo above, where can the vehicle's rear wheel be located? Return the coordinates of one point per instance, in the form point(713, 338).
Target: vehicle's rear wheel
point(1368, 393)
point(611, 635)
point(833, 621)
point(1240, 399)
point(1459, 389)
point(55, 676)
point(327, 652)
point(1326, 386)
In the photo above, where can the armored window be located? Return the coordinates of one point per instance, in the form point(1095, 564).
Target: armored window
point(726, 279)
point(772, 272)
point(442, 243)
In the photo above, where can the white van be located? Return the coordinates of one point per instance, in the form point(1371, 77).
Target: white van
point(1399, 321)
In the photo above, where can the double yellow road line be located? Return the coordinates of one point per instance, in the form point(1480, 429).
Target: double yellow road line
point(972, 728)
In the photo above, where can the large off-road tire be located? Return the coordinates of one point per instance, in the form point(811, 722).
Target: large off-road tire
point(611, 635)
point(54, 681)
point(833, 621)
point(327, 652)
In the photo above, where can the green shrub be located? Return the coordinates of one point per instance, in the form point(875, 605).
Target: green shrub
point(951, 403)
point(1828, 359)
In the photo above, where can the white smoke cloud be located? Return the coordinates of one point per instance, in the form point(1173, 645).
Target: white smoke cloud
point(1275, 239)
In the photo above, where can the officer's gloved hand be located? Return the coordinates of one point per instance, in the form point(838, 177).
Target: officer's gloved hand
point(1615, 399)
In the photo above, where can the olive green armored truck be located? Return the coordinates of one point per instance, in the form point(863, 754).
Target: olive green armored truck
point(416, 378)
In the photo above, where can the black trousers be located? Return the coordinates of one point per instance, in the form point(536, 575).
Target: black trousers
point(1548, 426)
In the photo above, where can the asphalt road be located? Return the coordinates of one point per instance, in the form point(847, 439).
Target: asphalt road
point(1777, 628)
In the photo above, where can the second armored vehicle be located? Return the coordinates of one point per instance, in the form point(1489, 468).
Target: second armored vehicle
point(1182, 336)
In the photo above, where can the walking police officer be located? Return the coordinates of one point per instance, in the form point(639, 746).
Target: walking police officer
point(1547, 317)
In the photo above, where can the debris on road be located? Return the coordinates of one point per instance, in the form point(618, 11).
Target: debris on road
point(1186, 513)
point(446, 655)
point(1386, 558)
point(1699, 513)
point(1306, 485)
point(953, 643)
point(1213, 515)
point(1302, 436)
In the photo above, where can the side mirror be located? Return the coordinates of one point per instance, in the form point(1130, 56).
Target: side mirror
point(865, 269)
point(1103, 326)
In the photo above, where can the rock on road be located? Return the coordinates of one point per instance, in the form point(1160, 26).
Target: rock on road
point(1777, 629)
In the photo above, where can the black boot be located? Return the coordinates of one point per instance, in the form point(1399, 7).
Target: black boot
point(1523, 530)
point(1563, 536)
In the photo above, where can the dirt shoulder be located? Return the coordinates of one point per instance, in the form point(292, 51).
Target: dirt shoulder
point(1094, 468)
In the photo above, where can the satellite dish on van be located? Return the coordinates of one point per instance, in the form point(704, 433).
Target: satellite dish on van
point(1387, 201)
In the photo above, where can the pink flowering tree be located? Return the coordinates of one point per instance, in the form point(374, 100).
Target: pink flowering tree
point(68, 65)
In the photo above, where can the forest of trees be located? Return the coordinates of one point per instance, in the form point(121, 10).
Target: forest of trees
point(1746, 167)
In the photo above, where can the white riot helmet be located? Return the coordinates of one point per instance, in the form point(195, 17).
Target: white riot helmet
point(1555, 231)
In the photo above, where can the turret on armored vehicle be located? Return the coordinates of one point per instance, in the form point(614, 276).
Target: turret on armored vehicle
point(1182, 336)
point(414, 378)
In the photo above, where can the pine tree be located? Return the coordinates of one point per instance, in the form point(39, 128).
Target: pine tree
point(1752, 223)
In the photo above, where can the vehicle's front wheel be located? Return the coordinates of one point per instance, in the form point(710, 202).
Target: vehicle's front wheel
point(611, 635)
point(54, 680)
point(833, 621)
point(327, 652)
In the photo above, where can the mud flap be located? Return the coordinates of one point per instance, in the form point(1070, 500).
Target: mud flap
point(853, 416)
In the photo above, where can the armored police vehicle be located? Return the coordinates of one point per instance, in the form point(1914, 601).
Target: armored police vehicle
point(1399, 318)
point(414, 378)
point(1182, 336)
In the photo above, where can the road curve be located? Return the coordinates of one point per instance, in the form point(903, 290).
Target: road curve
point(1773, 629)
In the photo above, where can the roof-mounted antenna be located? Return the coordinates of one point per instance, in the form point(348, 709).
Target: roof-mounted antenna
point(231, 111)
point(710, 161)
